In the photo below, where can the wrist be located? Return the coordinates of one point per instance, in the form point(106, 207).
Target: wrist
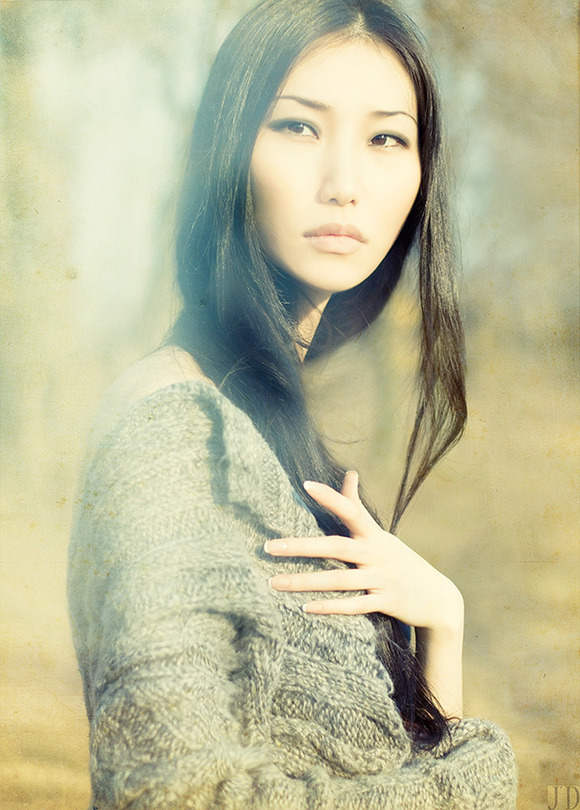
point(444, 639)
point(439, 649)
point(448, 621)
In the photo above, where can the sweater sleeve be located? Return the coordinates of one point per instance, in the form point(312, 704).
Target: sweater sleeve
point(169, 617)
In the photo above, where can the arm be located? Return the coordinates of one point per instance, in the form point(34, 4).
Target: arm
point(440, 653)
point(175, 626)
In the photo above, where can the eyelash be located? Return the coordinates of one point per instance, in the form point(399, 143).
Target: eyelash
point(399, 141)
point(281, 126)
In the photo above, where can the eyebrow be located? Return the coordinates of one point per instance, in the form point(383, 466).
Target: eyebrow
point(318, 105)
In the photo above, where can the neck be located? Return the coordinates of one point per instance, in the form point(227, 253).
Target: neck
point(309, 315)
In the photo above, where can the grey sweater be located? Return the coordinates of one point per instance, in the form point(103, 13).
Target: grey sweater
point(205, 688)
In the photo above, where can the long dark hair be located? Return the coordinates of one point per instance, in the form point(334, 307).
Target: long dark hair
point(239, 318)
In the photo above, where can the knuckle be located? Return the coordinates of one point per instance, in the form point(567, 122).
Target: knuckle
point(352, 510)
point(343, 546)
point(342, 580)
point(300, 582)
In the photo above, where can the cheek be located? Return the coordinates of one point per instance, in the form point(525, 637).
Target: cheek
point(270, 217)
point(397, 196)
point(266, 184)
point(263, 197)
point(275, 188)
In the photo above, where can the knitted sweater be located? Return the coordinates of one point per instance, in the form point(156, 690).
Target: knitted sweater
point(204, 687)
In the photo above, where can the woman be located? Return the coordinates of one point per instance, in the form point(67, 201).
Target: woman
point(224, 567)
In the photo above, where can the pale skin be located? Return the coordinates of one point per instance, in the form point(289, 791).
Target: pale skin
point(398, 582)
point(350, 156)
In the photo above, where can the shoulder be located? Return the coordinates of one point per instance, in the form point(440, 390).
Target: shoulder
point(164, 420)
point(160, 370)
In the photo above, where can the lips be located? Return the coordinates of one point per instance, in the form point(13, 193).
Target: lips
point(335, 229)
point(335, 238)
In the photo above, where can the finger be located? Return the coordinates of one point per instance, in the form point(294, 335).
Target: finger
point(350, 486)
point(353, 606)
point(353, 514)
point(348, 579)
point(328, 547)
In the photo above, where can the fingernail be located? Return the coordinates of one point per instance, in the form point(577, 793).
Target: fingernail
point(309, 484)
point(281, 582)
point(274, 546)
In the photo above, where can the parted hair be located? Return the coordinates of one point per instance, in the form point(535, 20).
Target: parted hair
point(239, 314)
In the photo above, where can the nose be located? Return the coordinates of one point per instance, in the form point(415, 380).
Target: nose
point(340, 181)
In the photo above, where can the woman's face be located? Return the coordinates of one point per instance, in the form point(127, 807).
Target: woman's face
point(335, 168)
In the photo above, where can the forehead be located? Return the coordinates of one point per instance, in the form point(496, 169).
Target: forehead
point(357, 72)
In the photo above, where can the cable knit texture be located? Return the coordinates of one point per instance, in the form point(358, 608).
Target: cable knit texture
point(205, 688)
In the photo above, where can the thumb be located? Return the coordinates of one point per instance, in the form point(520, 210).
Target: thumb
point(350, 486)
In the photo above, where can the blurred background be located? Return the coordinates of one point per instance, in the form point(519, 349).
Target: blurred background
point(98, 98)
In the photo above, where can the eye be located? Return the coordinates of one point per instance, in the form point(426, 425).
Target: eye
point(387, 140)
point(294, 128)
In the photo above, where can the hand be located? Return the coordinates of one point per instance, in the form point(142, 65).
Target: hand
point(397, 581)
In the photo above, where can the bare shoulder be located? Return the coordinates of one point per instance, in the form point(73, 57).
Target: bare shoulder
point(164, 367)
